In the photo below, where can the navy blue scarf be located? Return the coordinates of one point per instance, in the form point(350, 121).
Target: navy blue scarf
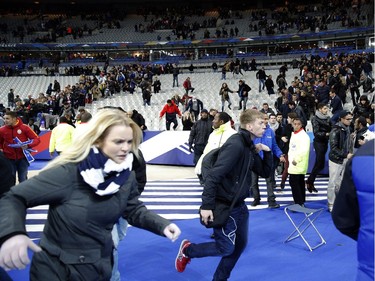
point(103, 174)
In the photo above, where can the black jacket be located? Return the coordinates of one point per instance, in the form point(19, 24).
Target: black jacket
point(320, 128)
point(200, 132)
point(228, 173)
point(337, 139)
point(243, 90)
point(79, 223)
point(6, 175)
point(269, 83)
point(139, 120)
point(139, 167)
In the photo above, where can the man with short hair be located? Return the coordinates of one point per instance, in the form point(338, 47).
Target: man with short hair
point(15, 128)
point(170, 110)
point(298, 109)
point(335, 106)
point(221, 133)
point(321, 125)
point(175, 73)
point(222, 183)
point(266, 109)
point(11, 101)
point(322, 92)
point(261, 76)
point(243, 93)
point(340, 144)
point(61, 137)
point(298, 155)
point(268, 139)
point(199, 134)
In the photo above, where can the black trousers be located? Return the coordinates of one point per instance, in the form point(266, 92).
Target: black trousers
point(297, 184)
point(320, 159)
point(354, 91)
point(198, 151)
point(169, 121)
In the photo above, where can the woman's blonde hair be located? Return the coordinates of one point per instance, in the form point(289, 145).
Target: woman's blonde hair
point(188, 115)
point(94, 133)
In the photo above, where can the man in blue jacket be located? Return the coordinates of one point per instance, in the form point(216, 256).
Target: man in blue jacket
point(269, 140)
point(353, 210)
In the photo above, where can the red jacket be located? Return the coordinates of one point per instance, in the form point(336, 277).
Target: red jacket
point(173, 109)
point(23, 132)
point(187, 84)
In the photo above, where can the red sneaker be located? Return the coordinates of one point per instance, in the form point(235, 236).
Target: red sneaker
point(181, 259)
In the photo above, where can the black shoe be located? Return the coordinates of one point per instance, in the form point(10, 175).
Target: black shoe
point(282, 186)
point(273, 205)
point(256, 202)
point(239, 108)
point(229, 107)
point(310, 187)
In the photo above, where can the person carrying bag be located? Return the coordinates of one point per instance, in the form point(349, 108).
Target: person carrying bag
point(228, 181)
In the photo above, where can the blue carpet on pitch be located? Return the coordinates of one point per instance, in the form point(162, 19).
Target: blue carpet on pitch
point(147, 257)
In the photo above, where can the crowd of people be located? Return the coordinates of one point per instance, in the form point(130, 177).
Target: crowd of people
point(180, 19)
point(321, 94)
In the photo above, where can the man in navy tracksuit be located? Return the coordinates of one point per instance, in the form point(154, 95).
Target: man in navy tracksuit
point(269, 140)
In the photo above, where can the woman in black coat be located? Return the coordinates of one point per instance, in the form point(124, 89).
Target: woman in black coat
point(88, 188)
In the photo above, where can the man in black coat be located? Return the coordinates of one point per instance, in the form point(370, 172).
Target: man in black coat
point(243, 93)
point(321, 124)
point(137, 118)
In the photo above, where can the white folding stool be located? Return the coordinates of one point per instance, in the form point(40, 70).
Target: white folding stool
point(310, 216)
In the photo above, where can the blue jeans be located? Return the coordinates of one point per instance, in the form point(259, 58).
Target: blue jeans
point(261, 85)
point(223, 103)
point(118, 233)
point(20, 167)
point(175, 80)
point(244, 100)
point(230, 241)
